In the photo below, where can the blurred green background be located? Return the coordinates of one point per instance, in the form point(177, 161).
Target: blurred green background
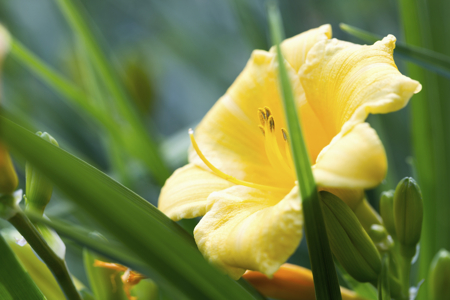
point(176, 58)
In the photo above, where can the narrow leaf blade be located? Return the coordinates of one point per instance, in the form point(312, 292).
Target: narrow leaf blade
point(15, 283)
point(325, 278)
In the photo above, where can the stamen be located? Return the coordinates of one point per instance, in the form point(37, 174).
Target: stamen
point(272, 149)
point(226, 176)
point(268, 112)
point(285, 135)
point(262, 130)
point(262, 116)
point(271, 124)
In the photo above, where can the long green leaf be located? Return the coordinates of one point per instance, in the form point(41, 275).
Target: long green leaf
point(38, 271)
point(15, 283)
point(326, 282)
point(135, 137)
point(423, 57)
point(423, 23)
point(169, 257)
point(55, 80)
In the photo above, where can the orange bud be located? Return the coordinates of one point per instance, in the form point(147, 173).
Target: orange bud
point(129, 278)
point(290, 282)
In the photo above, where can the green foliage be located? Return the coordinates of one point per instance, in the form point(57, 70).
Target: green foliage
point(15, 283)
point(167, 253)
point(326, 283)
point(384, 292)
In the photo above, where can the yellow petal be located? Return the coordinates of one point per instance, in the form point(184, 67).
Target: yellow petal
point(295, 49)
point(185, 193)
point(290, 282)
point(229, 135)
point(246, 228)
point(353, 160)
point(344, 82)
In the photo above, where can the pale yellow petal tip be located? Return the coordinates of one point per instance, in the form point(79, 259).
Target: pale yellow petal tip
point(259, 57)
point(387, 42)
point(5, 41)
point(355, 159)
point(327, 30)
point(418, 88)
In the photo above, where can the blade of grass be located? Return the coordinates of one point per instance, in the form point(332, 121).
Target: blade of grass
point(326, 283)
point(15, 283)
point(56, 81)
point(113, 146)
point(134, 133)
point(38, 271)
point(174, 262)
point(433, 61)
point(423, 22)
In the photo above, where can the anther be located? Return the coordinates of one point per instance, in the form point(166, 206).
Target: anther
point(262, 116)
point(262, 130)
point(271, 124)
point(285, 135)
point(268, 112)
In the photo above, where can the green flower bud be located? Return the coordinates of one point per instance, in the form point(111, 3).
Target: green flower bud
point(38, 187)
point(377, 233)
point(349, 242)
point(8, 176)
point(380, 237)
point(408, 214)
point(387, 211)
point(439, 276)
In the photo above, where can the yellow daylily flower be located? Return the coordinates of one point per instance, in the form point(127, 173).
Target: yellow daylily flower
point(240, 175)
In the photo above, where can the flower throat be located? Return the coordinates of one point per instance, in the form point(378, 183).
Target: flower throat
point(276, 158)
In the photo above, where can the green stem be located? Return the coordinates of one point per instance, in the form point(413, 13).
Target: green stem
point(405, 270)
point(367, 215)
point(55, 264)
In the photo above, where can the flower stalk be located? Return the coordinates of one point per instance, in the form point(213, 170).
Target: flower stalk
point(56, 264)
point(325, 280)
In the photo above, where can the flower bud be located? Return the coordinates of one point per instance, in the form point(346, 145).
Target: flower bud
point(38, 187)
point(387, 211)
point(439, 276)
point(377, 233)
point(408, 214)
point(381, 239)
point(349, 242)
point(8, 176)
